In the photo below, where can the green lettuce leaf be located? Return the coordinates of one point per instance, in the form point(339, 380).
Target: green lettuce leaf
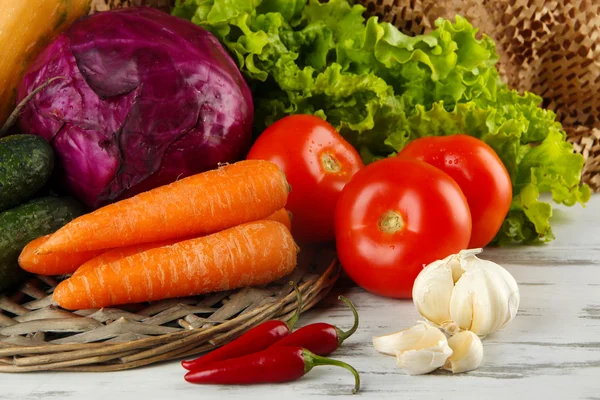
point(381, 89)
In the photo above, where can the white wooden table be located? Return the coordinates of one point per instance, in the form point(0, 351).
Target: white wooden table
point(550, 351)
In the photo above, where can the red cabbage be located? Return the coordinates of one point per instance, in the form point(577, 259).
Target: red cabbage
point(148, 98)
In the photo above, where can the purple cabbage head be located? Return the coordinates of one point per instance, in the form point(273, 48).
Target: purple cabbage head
point(147, 99)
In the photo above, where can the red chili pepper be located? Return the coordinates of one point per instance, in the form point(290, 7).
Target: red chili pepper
point(256, 339)
point(320, 338)
point(281, 364)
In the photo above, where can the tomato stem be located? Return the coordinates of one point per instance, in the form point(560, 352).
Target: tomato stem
point(330, 163)
point(391, 222)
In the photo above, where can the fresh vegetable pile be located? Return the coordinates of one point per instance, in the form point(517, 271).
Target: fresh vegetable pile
point(403, 152)
point(382, 89)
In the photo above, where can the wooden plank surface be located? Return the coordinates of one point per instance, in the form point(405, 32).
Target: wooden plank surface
point(550, 351)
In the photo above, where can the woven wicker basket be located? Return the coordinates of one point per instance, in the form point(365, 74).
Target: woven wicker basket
point(37, 335)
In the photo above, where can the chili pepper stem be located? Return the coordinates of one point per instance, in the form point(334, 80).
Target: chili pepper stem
point(311, 360)
point(292, 321)
point(345, 335)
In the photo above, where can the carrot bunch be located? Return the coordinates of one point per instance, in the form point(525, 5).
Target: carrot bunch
point(218, 230)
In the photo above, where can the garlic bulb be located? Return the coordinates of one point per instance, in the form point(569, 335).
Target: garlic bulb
point(418, 350)
point(467, 352)
point(466, 292)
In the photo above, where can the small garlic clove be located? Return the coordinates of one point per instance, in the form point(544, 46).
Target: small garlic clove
point(467, 352)
point(406, 339)
point(418, 350)
point(462, 302)
point(432, 291)
point(485, 298)
point(419, 362)
point(511, 293)
point(459, 260)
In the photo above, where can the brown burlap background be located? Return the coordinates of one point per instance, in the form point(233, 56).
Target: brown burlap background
point(549, 47)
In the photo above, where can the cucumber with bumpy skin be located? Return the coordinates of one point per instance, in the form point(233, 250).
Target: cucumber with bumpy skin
point(26, 163)
point(29, 221)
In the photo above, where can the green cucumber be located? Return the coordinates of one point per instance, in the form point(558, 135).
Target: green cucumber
point(29, 221)
point(26, 163)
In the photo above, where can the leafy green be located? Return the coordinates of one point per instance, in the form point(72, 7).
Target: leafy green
point(381, 89)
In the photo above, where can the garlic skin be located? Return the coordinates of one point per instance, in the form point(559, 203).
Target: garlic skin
point(467, 352)
point(418, 350)
point(464, 292)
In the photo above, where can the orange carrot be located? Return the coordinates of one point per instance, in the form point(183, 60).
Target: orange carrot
point(198, 205)
point(251, 254)
point(122, 252)
point(281, 215)
point(54, 263)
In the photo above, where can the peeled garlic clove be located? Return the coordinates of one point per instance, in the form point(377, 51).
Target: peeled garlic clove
point(400, 341)
point(419, 350)
point(467, 352)
point(419, 362)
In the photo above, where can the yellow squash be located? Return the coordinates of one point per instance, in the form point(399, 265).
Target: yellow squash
point(26, 27)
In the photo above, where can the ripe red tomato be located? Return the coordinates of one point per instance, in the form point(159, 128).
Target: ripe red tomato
point(478, 171)
point(317, 162)
point(394, 217)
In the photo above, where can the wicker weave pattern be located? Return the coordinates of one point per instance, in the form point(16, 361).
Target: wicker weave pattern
point(37, 335)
